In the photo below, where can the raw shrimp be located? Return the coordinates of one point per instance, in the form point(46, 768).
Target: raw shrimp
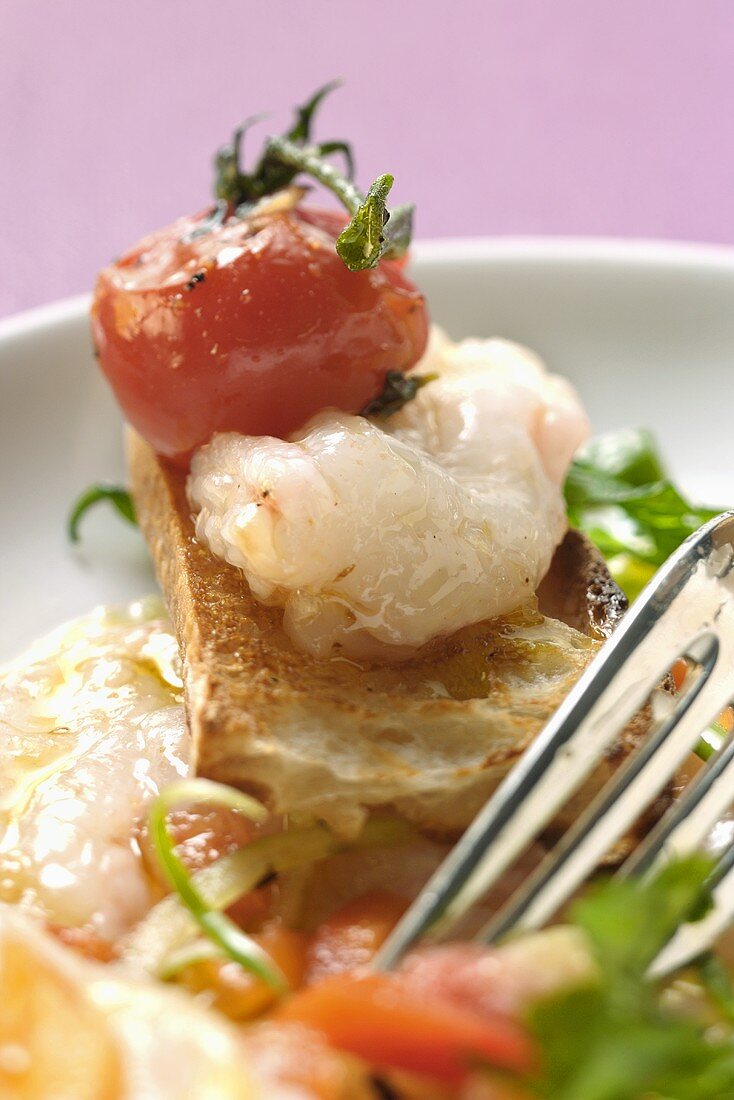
point(91, 726)
point(377, 536)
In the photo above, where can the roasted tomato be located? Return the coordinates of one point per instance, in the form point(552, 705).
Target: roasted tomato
point(252, 326)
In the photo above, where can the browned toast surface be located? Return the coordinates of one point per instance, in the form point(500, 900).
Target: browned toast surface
point(332, 738)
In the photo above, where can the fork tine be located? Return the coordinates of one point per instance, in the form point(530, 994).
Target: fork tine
point(550, 771)
point(635, 785)
point(693, 940)
point(689, 821)
point(611, 691)
point(686, 825)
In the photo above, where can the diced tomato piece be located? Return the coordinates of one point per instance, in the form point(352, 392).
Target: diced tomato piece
point(352, 936)
point(239, 994)
point(379, 1020)
point(678, 672)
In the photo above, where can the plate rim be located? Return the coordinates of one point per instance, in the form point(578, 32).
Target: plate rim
point(445, 251)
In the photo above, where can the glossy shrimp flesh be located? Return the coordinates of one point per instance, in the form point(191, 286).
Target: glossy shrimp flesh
point(376, 536)
point(91, 727)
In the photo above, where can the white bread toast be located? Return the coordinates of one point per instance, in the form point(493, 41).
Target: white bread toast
point(331, 739)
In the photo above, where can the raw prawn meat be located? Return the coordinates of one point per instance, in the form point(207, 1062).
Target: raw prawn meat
point(376, 536)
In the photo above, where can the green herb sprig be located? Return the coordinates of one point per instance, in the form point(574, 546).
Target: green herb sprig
point(216, 925)
point(619, 493)
point(374, 233)
point(115, 495)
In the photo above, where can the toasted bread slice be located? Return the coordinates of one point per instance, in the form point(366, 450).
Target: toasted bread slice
point(330, 739)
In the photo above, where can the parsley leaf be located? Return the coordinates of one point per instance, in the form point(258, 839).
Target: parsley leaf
point(718, 985)
point(620, 495)
point(628, 921)
point(596, 1052)
point(615, 1040)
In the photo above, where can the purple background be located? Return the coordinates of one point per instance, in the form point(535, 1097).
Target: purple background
point(496, 116)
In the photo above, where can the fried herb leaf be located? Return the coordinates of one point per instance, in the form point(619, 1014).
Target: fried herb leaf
point(398, 390)
point(399, 230)
point(360, 244)
point(619, 494)
point(116, 495)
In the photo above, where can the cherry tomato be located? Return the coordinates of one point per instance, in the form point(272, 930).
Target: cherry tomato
point(251, 326)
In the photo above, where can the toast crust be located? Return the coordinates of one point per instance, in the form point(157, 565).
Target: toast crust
point(331, 739)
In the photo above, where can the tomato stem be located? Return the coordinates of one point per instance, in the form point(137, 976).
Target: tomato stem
point(308, 159)
point(366, 239)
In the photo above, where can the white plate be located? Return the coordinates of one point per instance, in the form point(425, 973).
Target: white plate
point(646, 331)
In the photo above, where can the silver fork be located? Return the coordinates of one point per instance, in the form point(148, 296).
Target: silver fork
point(686, 611)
